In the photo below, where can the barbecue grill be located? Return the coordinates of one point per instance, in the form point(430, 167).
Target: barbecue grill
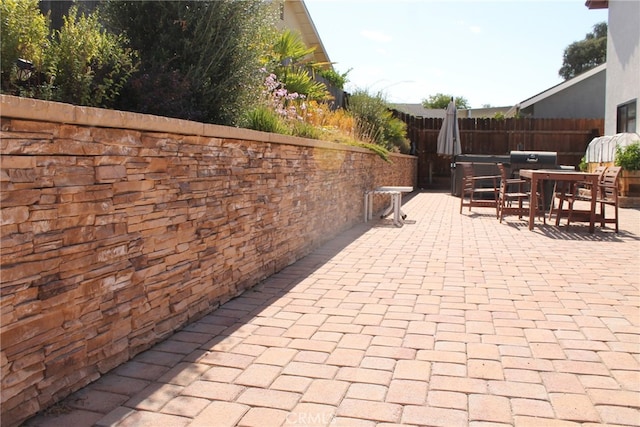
point(535, 160)
point(532, 160)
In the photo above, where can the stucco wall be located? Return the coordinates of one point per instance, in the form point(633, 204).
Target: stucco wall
point(119, 228)
point(623, 60)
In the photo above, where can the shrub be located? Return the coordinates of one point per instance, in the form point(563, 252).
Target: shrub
point(336, 79)
point(375, 122)
point(395, 131)
point(583, 166)
point(628, 157)
point(89, 65)
point(369, 112)
point(321, 115)
point(24, 34)
point(80, 64)
point(289, 114)
point(213, 49)
point(264, 119)
point(306, 130)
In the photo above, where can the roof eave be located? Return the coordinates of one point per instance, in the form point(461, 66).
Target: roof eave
point(597, 4)
point(562, 86)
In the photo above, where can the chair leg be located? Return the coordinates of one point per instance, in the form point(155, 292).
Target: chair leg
point(570, 214)
point(615, 208)
point(559, 210)
point(540, 199)
point(553, 199)
point(519, 208)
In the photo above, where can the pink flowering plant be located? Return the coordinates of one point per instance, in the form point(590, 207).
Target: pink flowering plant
point(281, 111)
point(286, 104)
point(290, 113)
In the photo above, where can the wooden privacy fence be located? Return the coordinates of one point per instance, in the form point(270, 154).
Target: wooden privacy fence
point(568, 137)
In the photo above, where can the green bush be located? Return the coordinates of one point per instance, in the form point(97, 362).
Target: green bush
point(306, 130)
point(370, 112)
point(200, 60)
point(628, 157)
point(336, 79)
point(89, 65)
point(265, 119)
point(583, 166)
point(395, 132)
point(375, 123)
point(24, 34)
point(379, 150)
point(80, 64)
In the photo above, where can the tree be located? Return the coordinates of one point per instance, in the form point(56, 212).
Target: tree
point(292, 62)
point(200, 60)
point(440, 100)
point(586, 54)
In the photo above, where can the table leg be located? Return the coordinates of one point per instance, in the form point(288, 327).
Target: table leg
point(371, 205)
point(366, 206)
point(396, 208)
point(389, 209)
point(541, 199)
point(594, 196)
point(562, 193)
point(533, 204)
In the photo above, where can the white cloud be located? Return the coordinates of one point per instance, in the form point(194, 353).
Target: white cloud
point(476, 29)
point(376, 36)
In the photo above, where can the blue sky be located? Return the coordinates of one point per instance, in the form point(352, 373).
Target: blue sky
point(490, 52)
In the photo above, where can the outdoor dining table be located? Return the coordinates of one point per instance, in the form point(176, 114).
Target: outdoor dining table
point(568, 177)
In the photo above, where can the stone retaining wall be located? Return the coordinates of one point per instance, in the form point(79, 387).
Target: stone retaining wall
point(120, 228)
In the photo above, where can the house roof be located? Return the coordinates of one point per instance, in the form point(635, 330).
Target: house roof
point(418, 110)
point(296, 17)
point(597, 4)
point(562, 86)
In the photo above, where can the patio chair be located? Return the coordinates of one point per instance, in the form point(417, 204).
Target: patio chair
point(512, 191)
point(584, 189)
point(481, 191)
point(578, 191)
point(606, 194)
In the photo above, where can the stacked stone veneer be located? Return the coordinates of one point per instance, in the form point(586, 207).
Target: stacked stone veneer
point(119, 228)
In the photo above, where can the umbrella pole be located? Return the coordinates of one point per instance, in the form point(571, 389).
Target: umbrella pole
point(453, 176)
point(430, 172)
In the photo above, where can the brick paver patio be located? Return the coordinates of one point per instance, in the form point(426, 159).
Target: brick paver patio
point(451, 320)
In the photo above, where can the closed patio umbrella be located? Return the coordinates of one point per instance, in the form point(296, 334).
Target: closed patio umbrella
point(449, 138)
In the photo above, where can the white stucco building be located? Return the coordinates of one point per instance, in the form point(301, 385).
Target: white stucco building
point(623, 65)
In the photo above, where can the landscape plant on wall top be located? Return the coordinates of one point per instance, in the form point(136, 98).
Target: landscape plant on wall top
point(629, 157)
